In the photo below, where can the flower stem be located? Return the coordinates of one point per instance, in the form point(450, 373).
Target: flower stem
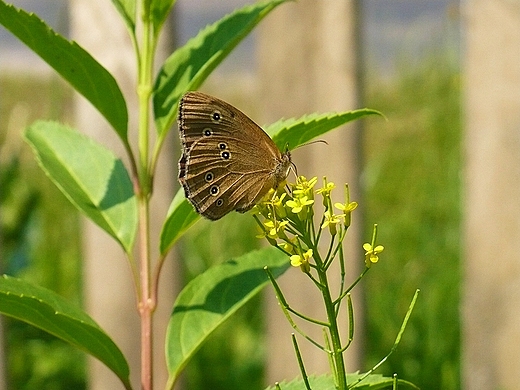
point(300, 363)
point(335, 338)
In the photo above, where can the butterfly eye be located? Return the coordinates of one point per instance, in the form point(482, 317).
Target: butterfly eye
point(219, 202)
point(222, 146)
point(209, 177)
point(214, 190)
point(216, 116)
point(225, 155)
point(207, 132)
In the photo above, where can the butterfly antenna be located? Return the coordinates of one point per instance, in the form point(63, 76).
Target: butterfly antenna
point(294, 169)
point(318, 141)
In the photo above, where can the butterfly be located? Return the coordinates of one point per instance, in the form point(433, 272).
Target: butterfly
point(228, 162)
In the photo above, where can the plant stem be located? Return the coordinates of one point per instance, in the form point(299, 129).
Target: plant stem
point(300, 363)
point(148, 302)
point(146, 305)
point(335, 338)
point(144, 92)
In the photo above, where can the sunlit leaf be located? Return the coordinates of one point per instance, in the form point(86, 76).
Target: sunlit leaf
point(212, 297)
point(72, 62)
point(91, 177)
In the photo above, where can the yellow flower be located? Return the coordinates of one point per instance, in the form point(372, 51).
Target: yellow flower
point(275, 229)
point(371, 254)
point(289, 246)
point(297, 204)
point(279, 206)
point(272, 202)
point(261, 209)
point(331, 220)
point(326, 189)
point(346, 208)
point(302, 261)
point(304, 186)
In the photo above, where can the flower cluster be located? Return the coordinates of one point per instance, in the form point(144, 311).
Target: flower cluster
point(286, 219)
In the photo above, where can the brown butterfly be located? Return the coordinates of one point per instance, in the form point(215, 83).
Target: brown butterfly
point(228, 162)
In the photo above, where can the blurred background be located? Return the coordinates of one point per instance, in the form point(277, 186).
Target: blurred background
point(430, 187)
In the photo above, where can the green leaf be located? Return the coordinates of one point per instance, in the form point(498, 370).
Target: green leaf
point(326, 382)
point(181, 215)
point(72, 62)
point(191, 64)
point(126, 9)
point(209, 299)
point(160, 10)
point(47, 310)
point(93, 179)
point(295, 132)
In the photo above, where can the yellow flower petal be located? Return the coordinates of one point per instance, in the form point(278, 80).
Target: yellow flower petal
point(296, 260)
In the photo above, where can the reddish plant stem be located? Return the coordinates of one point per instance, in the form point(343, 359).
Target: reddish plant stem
point(146, 304)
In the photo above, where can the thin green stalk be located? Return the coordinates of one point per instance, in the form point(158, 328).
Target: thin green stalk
point(329, 355)
point(339, 247)
point(300, 362)
point(342, 274)
point(320, 230)
point(314, 280)
point(315, 255)
point(350, 309)
point(338, 299)
point(133, 163)
point(328, 258)
point(335, 338)
point(285, 305)
point(397, 339)
point(312, 228)
point(144, 92)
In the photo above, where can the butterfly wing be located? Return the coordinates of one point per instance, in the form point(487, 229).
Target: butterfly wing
point(228, 161)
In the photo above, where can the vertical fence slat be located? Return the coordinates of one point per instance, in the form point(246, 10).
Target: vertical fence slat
point(491, 308)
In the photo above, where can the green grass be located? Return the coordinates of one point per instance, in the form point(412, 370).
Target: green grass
point(412, 184)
